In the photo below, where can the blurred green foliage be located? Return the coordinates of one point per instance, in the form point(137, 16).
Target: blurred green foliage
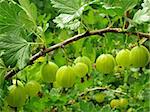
point(28, 26)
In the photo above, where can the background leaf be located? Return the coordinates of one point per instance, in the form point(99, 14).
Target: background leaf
point(85, 107)
point(29, 14)
point(106, 108)
point(118, 7)
point(67, 6)
point(9, 21)
point(70, 10)
point(143, 15)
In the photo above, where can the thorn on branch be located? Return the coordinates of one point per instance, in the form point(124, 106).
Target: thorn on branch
point(87, 33)
point(62, 46)
point(102, 34)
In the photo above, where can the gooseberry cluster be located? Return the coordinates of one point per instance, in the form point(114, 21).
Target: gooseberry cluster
point(137, 57)
point(65, 76)
point(18, 93)
point(119, 103)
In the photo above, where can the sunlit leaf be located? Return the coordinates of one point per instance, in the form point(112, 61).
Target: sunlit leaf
point(70, 10)
point(143, 15)
point(16, 51)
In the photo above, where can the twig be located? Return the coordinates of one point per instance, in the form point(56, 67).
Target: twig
point(93, 89)
point(102, 89)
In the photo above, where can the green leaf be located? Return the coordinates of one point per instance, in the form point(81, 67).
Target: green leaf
point(2, 72)
point(2, 65)
point(28, 24)
point(127, 4)
point(113, 7)
point(78, 47)
point(9, 21)
point(29, 14)
point(143, 15)
point(106, 109)
point(16, 51)
point(148, 28)
point(63, 20)
point(86, 106)
point(91, 18)
point(29, 8)
point(31, 72)
point(67, 6)
point(59, 58)
point(89, 51)
point(70, 10)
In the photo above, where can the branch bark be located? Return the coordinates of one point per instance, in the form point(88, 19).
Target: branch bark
point(75, 38)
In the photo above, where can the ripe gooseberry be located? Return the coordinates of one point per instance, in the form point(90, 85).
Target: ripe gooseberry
point(99, 97)
point(123, 102)
point(114, 103)
point(32, 88)
point(105, 63)
point(48, 72)
point(123, 58)
point(85, 60)
point(80, 69)
point(65, 76)
point(16, 96)
point(139, 56)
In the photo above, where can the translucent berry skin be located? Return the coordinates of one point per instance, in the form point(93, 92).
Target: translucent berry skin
point(84, 60)
point(123, 102)
point(16, 96)
point(65, 76)
point(80, 69)
point(48, 72)
point(105, 63)
point(99, 97)
point(32, 88)
point(123, 58)
point(115, 103)
point(139, 56)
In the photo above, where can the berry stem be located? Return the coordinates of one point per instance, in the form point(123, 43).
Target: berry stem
point(141, 70)
point(82, 80)
point(15, 109)
point(50, 86)
point(16, 81)
point(126, 41)
point(46, 58)
point(126, 75)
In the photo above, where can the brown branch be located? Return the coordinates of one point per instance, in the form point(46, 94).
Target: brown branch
point(75, 38)
point(83, 35)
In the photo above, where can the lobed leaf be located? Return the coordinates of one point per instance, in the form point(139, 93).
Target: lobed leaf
point(28, 15)
point(118, 7)
point(16, 51)
point(70, 10)
point(9, 21)
point(143, 15)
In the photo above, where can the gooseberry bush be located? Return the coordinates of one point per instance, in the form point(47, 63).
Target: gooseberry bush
point(74, 55)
